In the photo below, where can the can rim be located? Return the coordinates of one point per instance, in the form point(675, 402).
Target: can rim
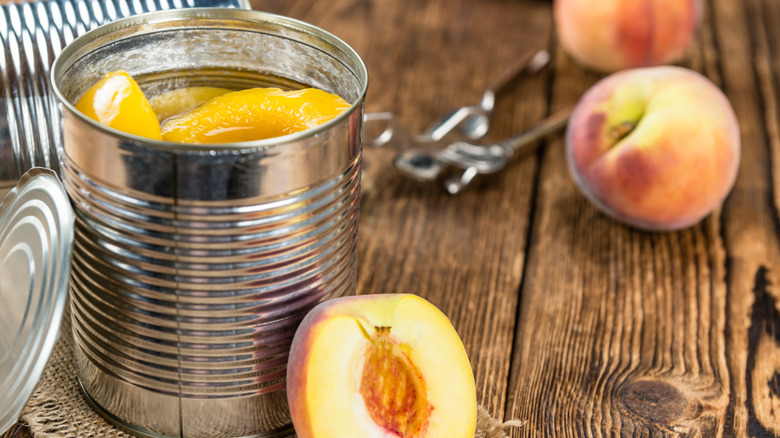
point(211, 13)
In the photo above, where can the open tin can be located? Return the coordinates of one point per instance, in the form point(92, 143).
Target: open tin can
point(193, 265)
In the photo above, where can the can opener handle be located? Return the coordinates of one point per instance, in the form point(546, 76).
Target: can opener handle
point(423, 162)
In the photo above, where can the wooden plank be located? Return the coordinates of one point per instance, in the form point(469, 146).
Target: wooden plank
point(465, 254)
point(752, 230)
point(623, 332)
point(620, 332)
point(17, 431)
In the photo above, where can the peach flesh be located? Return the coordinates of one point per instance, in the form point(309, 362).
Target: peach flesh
point(392, 386)
point(116, 101)
point(380, 366)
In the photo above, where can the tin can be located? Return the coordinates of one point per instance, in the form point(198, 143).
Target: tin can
point(33, 33)
point(193, 265)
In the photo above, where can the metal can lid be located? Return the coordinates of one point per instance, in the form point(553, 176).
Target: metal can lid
point(36, 239)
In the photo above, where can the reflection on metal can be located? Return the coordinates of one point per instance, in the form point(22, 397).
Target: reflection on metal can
point(33, 34)
point(193, 265)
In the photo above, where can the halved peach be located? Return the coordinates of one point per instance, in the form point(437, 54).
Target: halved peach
point(380, 366)
point(117, 101)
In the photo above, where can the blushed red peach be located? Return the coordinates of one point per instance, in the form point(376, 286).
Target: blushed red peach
point(611, 35)
point(657, 148)
point(380, 366)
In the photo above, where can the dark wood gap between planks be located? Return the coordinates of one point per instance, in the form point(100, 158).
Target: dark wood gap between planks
point(552, 49)
point(695, 307)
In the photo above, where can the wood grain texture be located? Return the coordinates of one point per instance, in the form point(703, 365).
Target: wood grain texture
point(573, 322)
point(465, 254)
point(752, 240)
point(659, 334)
point(621, 330)
point(17, 431)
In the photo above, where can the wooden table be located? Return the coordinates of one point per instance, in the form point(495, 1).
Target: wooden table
point(573, 322)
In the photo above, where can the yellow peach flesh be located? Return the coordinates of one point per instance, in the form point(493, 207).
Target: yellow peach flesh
point(346, 359)
point(254, 114)
point(117, 101)
point(206, 114)
point(393, 387)
point(177, 102)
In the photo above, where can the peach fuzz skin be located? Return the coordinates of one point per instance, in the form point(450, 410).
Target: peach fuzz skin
point(612, 35)
point(657, 148)
point(331, 357)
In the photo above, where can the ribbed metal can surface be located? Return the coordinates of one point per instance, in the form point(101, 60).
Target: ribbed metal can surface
point(193, 265)
point(32, 34)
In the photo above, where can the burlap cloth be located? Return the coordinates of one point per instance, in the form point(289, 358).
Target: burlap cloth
point(58, 408)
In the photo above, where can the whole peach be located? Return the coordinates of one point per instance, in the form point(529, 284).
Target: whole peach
point(611, 35)
point(656, 147)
